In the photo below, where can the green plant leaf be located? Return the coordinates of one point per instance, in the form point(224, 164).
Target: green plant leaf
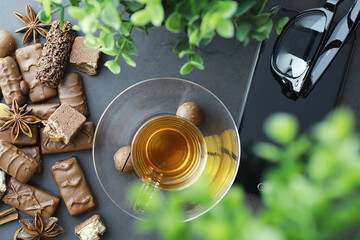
point(266, 28)
point(243, 30)
point(140, 18)
point(197, 65)
point(107, 39)
point(127, 44)
point(258, 36)
point(126, 28)
point(226, 29)
point(113, 66)
point(128, 60)
point(43, 17)
point(195, 36)
point(110, 51)
point(260, 19)
point(197, 6)
point(76, 12)
point(186, 52)
point(186, 68)
point(110, 16)
point(225, 8)
point(281, 127)
point(267, 151)
point(280, 24)
point(174, 22)
point(74, 3)
point(156, 12)
point(61, 17)
point(91, 41)
point(183, 44)
point(244, 7)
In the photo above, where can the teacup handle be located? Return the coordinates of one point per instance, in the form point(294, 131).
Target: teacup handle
point(144, 196)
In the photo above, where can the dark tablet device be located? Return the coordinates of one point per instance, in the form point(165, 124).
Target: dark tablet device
point(265, 97)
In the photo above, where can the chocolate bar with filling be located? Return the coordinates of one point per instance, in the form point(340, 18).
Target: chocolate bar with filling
point(30, 199)
point(73, 186)
point(83, 58)
point(12, 85)
point(35, 153)
point(82, 141)
point(22, 139)
point(27, 58)
point(16, 163)
point(43, 111)
point(71, 91)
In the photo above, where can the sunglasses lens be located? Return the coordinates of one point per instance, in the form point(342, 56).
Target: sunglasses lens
point(299, 43)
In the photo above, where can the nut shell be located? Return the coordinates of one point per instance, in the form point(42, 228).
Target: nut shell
point(190, 111)
point(7, 44)
point(122, 160)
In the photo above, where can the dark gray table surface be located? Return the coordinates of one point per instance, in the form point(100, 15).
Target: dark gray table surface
point(227, 69)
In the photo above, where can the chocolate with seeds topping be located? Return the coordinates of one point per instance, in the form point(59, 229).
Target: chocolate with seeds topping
point(55, 54)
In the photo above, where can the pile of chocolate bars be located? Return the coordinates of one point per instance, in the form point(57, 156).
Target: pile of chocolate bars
point(65, 127)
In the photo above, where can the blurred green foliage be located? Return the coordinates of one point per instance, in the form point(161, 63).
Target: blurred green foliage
point(311, 194)
point(108, 23)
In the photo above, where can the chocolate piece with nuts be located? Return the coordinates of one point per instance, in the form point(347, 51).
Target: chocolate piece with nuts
point(35, 153)
point(22, 140)
point(11, 83)
point(122, 160)
point(82, 141)
point(16, 163)
point(43, 111)
point(73, 186)
point(8, 215)
point(7, 44)
point(91, 228)
point(30, 199)
point(55, 54)
point(71, 91)
point(27, 58)
point(83, 58)
point(64, 123)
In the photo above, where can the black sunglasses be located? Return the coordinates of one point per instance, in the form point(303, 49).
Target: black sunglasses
point(306, 46)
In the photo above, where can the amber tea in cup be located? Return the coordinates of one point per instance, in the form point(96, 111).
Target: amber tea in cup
point(169, 152)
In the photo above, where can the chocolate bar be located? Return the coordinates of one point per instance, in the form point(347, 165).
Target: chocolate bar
point(73, 186)
point(11, 83)
point(64, 123)
point(83, 58)
point(43, 111)
point(82, 141)
point(71, 91)
point(91, 228)
point(16, 163)
point(55, 54)
point(22, 140)
point(27, 58)
point(30, 199)
point(34, 152)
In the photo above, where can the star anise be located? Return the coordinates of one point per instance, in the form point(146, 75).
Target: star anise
point(38, 229)
point(34, 26)
point(19, 119)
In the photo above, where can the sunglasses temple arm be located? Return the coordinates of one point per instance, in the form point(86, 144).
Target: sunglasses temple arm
point(341, 33)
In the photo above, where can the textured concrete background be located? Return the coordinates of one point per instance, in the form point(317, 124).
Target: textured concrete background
point(227, 71)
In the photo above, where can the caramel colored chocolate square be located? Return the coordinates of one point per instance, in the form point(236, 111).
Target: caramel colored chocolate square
point(83, 58)
point(30, 199)
point(64, 123)
point(73, 186)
